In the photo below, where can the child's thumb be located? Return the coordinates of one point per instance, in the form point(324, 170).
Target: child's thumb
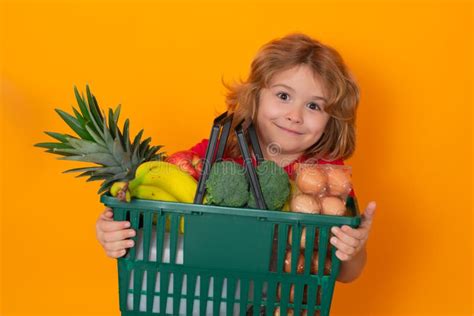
point(108, 213)
point(370, 209)
point(369, 214)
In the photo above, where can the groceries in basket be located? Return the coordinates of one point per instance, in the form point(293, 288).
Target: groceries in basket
point(321, 189)
point(138, 170)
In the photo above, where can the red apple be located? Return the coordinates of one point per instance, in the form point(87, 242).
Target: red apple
point(188, 161)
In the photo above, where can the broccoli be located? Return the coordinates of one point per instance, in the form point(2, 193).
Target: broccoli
point(275, 185)
point(227, 185)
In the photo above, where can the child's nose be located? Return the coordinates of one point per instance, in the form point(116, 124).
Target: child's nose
point(294, 116)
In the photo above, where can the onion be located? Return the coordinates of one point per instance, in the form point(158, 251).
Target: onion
point(304, 312)
point(332, 205)
point(292, 293)
point(299, 265)
point(303, 238)
point(339, 181)
point(311, 179)
point(305, 203)
point(289, 312)
point(315, 264)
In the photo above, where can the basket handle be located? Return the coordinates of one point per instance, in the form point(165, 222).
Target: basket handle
point(219, 135)
point(255, 144)
point(251, 173)
point(222, 120)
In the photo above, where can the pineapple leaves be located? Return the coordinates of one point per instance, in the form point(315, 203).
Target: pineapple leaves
point(96, 137)
point(73, 124)
point(112, 125)
point(52, 145)
point(126, 135)
point(82, 106)
point(97, 158)
point(135, 148)
point(117, 150)
point(151, 152)
point(58, 136)
point(96, 170)
point(117, 113)
point(83, 169)
point(144, 147)
point(79, 117)
point(94, 108)
point(87, 147)
point(62, 152)
point(100, 141)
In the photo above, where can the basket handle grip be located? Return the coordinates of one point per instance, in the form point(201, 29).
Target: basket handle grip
point(222, 120)
point(251, 173)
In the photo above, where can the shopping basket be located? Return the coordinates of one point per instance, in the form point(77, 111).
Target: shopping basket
point(228, 261)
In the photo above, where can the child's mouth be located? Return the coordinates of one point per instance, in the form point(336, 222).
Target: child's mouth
point(289, 131)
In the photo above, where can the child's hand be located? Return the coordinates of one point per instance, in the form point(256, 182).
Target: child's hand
point(112, 235)
point(349, 241)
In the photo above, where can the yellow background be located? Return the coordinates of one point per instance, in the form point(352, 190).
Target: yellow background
point(164, 61)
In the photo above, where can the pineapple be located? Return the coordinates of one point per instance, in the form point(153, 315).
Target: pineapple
point(100, 141)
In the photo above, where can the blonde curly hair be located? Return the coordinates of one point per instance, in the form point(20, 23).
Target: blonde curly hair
point(338, 139)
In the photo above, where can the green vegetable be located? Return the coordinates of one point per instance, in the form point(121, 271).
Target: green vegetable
point(275, 185)
point(227, 185)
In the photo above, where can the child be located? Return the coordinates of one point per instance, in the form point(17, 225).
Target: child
point(302, 100)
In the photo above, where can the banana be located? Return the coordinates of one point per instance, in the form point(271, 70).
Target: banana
point(145, 167)
point(116, 187)
point(167, 177)
point(149, 192)
point(168, 224)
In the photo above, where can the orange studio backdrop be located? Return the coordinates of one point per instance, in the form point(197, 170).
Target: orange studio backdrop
point(164, 62)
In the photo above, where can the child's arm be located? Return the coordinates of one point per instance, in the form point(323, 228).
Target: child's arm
point(350, 270)
point(350, 244)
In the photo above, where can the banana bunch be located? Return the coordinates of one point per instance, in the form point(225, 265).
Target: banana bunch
point(158, 180)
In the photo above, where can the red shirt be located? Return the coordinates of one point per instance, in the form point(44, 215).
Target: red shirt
point(200, 149)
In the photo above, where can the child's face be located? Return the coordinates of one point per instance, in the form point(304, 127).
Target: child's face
point(291, 113)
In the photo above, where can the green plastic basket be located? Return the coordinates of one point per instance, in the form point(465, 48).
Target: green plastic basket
point(229, 261)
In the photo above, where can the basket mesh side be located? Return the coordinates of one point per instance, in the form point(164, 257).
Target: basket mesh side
point(298, 274)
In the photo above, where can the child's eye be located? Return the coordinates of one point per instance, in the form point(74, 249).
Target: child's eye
point(283, 96)
point(314, 106)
